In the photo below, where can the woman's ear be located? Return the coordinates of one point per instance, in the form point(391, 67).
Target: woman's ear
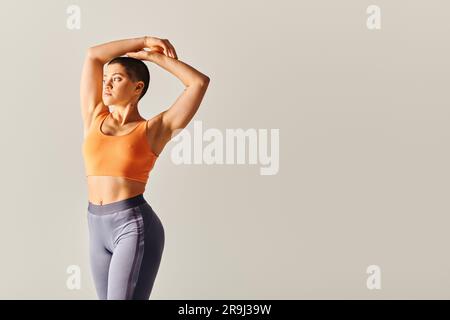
point(139, 86)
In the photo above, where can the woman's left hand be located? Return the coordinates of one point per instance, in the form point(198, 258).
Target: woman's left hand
point(165, 47)
point(141, 55)
point(146, 55)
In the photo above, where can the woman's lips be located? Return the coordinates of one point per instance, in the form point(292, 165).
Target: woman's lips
point(107, 94)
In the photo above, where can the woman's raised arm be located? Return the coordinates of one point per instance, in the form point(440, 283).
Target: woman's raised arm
point(91, 86)
point(109, 50)
point(181, 112)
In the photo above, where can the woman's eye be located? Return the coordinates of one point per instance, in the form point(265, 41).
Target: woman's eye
point(113, 79)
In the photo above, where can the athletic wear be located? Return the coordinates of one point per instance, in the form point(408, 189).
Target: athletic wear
point(126, 242)
point(127, 156)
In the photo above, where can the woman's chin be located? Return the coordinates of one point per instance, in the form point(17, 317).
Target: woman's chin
point(107, 100)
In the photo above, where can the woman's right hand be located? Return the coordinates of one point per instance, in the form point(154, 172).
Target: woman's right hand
point(160, 45)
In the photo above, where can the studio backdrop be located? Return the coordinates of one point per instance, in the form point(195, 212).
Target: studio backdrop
point(316, 167)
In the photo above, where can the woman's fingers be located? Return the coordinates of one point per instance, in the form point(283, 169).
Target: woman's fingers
point(163, 44)
point(157, 48)
point(174, 52)
point(170, 49)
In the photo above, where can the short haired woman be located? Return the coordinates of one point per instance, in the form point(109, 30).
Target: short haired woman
point(126, 237)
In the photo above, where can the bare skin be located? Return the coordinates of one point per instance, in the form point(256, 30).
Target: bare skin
point(107, 189)
point(124, 97)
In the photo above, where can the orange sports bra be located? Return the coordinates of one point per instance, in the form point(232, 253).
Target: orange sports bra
point(127, 156)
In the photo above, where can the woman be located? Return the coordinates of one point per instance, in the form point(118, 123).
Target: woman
point(126, 237)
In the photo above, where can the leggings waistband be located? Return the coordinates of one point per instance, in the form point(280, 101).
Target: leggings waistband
point(112, 207)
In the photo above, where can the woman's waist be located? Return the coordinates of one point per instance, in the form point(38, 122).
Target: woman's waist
point(108, 189)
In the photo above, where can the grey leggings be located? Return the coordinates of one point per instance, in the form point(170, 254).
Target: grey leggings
point(126, 242)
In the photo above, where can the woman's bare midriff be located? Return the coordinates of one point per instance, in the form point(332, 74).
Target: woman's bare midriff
point(106, 189)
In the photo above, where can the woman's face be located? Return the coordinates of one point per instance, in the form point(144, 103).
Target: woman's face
point(118, 88)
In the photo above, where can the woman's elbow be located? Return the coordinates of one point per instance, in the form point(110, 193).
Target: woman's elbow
point(204, 80)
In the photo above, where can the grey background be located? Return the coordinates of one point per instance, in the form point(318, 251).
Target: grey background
point(363, 118)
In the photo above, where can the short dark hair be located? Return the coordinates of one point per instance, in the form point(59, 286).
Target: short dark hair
point(135, 69)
